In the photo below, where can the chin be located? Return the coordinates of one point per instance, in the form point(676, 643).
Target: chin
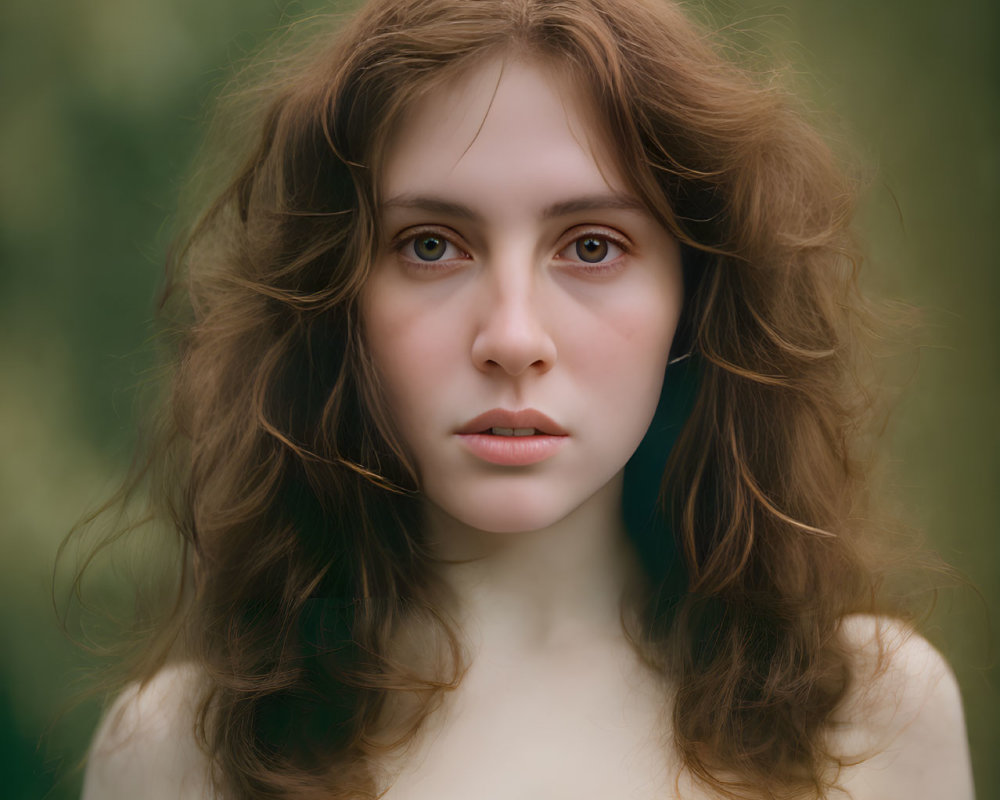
point(509, 517)
point(509, 514)
point(515, 509)
point(511, 523)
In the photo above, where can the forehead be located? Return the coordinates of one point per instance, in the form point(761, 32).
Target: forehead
point(505, 123)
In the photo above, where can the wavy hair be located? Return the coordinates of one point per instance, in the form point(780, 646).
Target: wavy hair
point(298, 510)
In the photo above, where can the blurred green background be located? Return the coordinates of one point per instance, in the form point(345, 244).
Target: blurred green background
point(103, 107)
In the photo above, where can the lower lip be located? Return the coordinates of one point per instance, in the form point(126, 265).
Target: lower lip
point(512, 451)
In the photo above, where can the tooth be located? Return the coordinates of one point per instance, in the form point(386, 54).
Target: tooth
point(502, 431)
point(523, 431)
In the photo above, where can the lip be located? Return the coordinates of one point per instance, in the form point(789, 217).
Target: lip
point(512, 451)
point(502, 418)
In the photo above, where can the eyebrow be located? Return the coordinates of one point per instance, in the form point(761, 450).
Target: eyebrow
point(575, 205)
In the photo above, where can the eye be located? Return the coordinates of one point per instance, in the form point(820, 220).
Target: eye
point(595, 251)
point(426, 249)
point(592, 249)
point(430, 246)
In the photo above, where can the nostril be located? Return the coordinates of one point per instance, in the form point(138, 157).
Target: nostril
point(509, 343)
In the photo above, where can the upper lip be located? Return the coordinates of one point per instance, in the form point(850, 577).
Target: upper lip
point(502, 418)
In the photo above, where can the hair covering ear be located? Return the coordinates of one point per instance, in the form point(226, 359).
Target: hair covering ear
point(649, 528)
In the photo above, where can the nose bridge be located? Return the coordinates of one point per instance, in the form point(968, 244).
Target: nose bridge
point(513, 334)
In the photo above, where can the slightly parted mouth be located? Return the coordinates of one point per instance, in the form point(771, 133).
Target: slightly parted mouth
point(519, 423)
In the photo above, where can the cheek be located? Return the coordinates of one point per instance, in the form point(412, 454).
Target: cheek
point(620, 367)
point(626, 342)
point(411, 348)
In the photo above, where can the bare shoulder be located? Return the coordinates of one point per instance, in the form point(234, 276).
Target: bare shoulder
point(145, 746)
point(900, 730)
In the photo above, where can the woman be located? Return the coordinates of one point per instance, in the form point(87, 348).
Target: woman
point(486, 267)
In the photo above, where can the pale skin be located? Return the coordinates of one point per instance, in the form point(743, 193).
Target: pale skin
point(503, 170)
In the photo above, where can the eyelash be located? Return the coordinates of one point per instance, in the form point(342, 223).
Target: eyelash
point(400, 244)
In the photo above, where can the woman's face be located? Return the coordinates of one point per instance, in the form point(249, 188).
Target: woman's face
point(520, 289)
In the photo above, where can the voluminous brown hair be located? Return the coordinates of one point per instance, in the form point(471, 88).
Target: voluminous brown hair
point(298, 515)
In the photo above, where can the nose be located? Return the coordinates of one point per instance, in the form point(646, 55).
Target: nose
point(512, 336)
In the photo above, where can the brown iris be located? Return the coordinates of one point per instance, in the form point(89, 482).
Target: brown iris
point(591, 249)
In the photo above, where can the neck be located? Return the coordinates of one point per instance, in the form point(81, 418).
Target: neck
point(535, 589)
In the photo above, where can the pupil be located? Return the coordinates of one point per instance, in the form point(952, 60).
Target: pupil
point(430, 248)
point(591, 249)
